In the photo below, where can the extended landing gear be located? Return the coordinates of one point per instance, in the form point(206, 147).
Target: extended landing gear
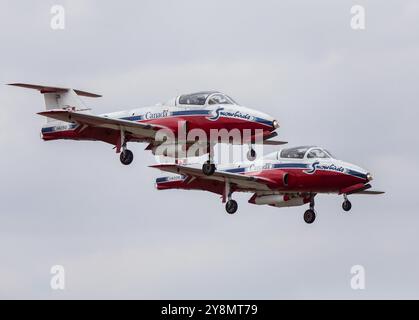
point(310, 214)
point(346, 205)
point(126, 157)
point(231, 206)
point(251, 154)
point(208, 168)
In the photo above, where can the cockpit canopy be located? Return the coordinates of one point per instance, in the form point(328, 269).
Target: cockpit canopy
point(303, 152)
point(205, 97)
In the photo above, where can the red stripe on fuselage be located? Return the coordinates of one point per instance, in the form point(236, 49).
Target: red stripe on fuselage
point(319, 181)
point(202, 122)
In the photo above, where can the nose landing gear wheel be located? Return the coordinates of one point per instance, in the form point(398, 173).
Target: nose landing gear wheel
point(126, 157)
point(346, 205)
point(309, 216)
point(251, 155)
point(231, 206)
point(208, 168)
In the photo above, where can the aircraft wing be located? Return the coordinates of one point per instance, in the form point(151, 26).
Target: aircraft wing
point(274, 142)
point(242, 182)
point(140, 130)
point(370, 192)
point(266, 140)
point(360, 188)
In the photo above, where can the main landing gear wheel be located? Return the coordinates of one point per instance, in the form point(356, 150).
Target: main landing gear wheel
point(251, 155)
point(346, 205)
point(208, 168)
point(231, 206)
point(126, 157)
point(309, 216)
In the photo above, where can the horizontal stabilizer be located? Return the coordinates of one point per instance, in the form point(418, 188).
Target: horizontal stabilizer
point(47, 89)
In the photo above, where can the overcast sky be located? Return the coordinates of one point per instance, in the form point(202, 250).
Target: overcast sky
point(73, 204)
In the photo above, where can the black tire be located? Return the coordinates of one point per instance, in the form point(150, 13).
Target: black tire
point(231, 206)
point(346, 205)
point(309, 216)
point(208, 168)
point(251, 155)
point(126, 157)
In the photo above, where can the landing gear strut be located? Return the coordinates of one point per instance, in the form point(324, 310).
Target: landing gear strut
point(231, 205)
point(126, 155)
point(310, 214)
point(346, 205)
point(208, 168)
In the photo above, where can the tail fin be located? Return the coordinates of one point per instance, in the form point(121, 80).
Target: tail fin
point(60, 98)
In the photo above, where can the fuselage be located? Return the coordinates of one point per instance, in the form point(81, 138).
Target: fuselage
point(305, 175)
point(207, 116)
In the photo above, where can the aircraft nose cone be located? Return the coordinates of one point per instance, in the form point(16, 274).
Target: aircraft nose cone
point(369, 177)
point(264, 117)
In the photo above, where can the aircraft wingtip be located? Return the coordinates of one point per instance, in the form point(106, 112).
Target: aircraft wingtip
point(155, 166)
point(162, 165)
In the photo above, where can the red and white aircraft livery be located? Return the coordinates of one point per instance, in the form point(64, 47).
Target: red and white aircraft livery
point(289, 177)
point(71, 119)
